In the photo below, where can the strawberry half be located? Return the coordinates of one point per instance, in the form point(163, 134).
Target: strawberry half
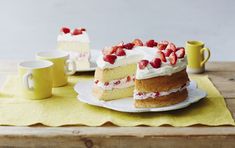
point(110, 58)
point(168, 52)
point(128, 45)
point(114, 49)
point(173, 58)
point(180, 52)
point(171, 46)
point(161, 56)
point(139, 93)
point(120, 52)
point(162, 45)
point(77, 32)
point(138, 42)
point(128, 78)
point(156, 94)
point(65, 30)
point(151, 43)
point(143, 64)
point(117, 82)
point(156, 63)
point(83, 29)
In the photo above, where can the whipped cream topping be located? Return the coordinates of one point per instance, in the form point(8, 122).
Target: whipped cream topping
point(149, 53)
point(132, 56)
point(121, 83)
point(165, 69)
point(69, 37)
point(141, 95)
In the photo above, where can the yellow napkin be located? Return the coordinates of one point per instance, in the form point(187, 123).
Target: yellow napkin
point(64, 109)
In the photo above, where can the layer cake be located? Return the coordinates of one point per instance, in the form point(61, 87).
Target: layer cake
point(77, 44)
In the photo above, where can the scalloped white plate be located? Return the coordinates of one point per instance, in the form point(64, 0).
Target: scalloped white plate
point(84, 89)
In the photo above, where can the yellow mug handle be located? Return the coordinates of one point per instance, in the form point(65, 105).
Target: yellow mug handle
point(208, 56)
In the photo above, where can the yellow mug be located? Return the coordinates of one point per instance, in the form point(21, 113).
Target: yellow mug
point(35, 79)
point(62, 67)
point(195, 55)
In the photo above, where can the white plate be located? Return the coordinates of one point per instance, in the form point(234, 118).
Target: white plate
point(94, 54)
point(84, 89)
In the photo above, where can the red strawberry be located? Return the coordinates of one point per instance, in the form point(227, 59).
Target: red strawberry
point(128, 78)
point(156, 63)
point(143, 64)
point(168, 52)
point(178, 48)
point(173, 58)
point(162, 45)
point(110, 50)
point(77, 32)
point(171, 46)
point(180, 52)
point(138, 42)
point(161, 56)
point(110, 58)
point(117, 82)
point(156, 94)
point(120, 52)
point(139, 93)
point(128, 45)
point(83, 29)
point(151, 43)
point(106, 83)
point(155, 43)
point(65, 30)
point(96, 81)
point(114, 49)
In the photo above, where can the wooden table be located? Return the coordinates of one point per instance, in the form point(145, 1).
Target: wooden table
point(221, 73)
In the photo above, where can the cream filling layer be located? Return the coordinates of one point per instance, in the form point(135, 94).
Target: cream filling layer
point(116, 84)
point(142, 96)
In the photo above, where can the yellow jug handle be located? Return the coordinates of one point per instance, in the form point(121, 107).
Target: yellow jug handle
point(208, 55)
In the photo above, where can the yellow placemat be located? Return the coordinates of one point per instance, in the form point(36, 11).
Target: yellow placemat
point(64, 109)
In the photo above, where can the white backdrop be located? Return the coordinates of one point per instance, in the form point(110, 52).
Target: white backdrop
point(28, 26)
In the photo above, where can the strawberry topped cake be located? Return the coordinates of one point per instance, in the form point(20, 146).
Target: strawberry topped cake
point(161, 78)
point(115, 73)
point(76, 42)
point(153, 73)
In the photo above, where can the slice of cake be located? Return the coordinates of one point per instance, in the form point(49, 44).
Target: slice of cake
point(77, 44)
point(115, 74)
point(161, 78)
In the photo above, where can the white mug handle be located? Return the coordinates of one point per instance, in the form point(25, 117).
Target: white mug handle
point(26, 79)
point(73, 70)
